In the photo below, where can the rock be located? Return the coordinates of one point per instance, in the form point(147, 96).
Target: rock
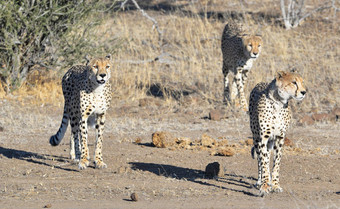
point(336, 111)
point(207, 141)
point(163, 139)
point(307, 120)
point(1, 129)
point(216, 115)
point(249, 142)
point(144, 102)
point(134, 197)
point(321, 116)
point(288, 142)
point(226, 151)
point(184, 142)
point(49, 205)
point(138, 140)
point(214, 169)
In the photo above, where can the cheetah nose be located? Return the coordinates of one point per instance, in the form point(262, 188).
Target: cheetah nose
point(303, 92)
point(255, 53)
point(102, 75)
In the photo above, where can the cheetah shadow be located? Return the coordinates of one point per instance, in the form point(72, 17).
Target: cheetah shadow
point(236, 183)
point(34, 157)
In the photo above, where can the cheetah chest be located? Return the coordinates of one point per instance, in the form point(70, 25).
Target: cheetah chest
point(278, 119)
point(100, 104)
point(245, 64)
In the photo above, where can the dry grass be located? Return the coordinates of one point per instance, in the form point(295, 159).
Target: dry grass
point(190, 58)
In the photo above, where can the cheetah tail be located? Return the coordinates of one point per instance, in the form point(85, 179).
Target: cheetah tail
point(253, 152)
point(56, 139)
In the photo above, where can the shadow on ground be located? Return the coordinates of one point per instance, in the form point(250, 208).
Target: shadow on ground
point(34, 157)
point(197, 176)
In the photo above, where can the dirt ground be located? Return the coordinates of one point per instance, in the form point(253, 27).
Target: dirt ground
point(36, 175)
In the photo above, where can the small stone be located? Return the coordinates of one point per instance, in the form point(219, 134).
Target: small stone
point(214, 169)
point(207, 141)
point(249, 142)
point(288, 142)
point(145, 102)
point(138, 140)
point(121, 170)
point(49, 205)
point(321, 116)
point(134, 197)
point(336, 111)
point(184, 142)
point(226, 151)
point(307, 120)
point(1, 129)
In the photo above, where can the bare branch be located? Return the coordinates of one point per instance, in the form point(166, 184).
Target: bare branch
point(155, 23)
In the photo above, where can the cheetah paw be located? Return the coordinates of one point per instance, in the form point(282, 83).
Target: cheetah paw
point(100, 164)
point(83, 164)
point(277, 188)
point(264, 189)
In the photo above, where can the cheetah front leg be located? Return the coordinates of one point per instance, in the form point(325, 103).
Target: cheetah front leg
point(98, 158)
point(276, 165)
point(240, 88)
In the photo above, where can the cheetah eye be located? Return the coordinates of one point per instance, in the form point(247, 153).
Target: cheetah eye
point(294, 82)
point(107, 66)
point(95, 67)
point(259, 45)
point(250, 45)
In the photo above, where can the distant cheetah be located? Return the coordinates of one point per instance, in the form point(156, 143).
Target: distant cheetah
point(239, 51)
point(270, 116)
point(87, 94)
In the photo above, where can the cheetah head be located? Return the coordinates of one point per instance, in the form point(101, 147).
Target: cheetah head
point(290, 85)
point(252, 45)
point(99, 70)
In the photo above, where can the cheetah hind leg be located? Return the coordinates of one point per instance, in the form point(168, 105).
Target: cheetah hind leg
point(257, 185)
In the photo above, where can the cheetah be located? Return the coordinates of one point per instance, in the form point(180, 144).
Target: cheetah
point(87, 94)
point(239, 51)
point(270, 116)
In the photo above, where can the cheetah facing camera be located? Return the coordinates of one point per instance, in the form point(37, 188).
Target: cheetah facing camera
point(269, 119)
point(87, 94)
point(239, 51)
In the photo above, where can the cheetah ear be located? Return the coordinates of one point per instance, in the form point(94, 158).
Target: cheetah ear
point(294, 70)
point(280, 74)
point(108, 57)
point(87, 58)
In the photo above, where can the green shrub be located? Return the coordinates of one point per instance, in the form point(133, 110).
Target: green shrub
point(42, 33)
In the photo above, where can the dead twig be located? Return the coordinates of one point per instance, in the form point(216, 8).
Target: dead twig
point(155, 23)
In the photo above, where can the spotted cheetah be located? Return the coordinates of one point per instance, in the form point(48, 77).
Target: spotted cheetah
point(270, 116)
point(87, 94)
point(239, 52)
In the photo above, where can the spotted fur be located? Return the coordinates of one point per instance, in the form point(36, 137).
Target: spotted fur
point(87, 94)
point(270, 116)
point(239, 51)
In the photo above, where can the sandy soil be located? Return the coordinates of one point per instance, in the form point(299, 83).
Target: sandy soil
point(35, 175)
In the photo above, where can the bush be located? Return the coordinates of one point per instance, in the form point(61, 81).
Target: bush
point(41, 32)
